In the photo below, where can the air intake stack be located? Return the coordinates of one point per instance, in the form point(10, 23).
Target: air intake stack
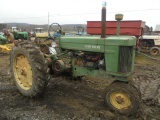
point(103, 25)
point(118, 17)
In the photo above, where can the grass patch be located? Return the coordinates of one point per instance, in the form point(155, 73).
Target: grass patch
point(143, 60)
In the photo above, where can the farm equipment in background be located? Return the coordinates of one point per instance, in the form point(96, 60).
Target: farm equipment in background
point(9, 36)
point(55, 32)
point(5, 47)
point(18, 34)
point(40, 34)
point(44, 40)
point(41, 37)
point(110, 58)
point(150, 43)
point(145, 43)
point(128, 27)
point(15, 34)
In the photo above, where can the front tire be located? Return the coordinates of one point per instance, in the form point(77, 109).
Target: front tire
point(122, 98)
point(28, 69)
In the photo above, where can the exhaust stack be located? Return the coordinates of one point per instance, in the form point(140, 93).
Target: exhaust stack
point(118, 17)
point(103, 25)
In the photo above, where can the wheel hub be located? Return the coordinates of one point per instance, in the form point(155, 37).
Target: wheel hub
point(23, 72)
point(155, 51)
point(120, 100)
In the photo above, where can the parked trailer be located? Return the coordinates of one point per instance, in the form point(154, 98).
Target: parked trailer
point(130, 27)
point(145, 43)
point(134, 28)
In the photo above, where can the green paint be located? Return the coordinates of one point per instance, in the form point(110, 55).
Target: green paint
point(20, 35)
point(118, 53)
point(82, 71)
point(3, 39)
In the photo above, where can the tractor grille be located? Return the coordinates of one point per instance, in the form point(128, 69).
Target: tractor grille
point(125, 59)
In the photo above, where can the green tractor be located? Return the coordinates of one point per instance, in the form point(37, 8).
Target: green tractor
point(3, 39)
point(18, 34)
point(15, 34)
point(110, 58)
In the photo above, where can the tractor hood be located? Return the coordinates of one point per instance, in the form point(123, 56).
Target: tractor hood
point(95, 44)
point(119, 51)
point(22, 33)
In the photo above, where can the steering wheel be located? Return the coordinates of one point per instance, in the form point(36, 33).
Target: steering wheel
point(54, 28)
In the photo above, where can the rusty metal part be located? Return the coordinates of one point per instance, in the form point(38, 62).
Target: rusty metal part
point(59, 66)
point(79, 62)
point(48, 61)
point(23, 72)
point(44, 49)
point(43, 44)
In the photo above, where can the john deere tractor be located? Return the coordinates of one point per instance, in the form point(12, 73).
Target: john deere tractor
point(15, 34)
point(110, 58)
point(18, 34)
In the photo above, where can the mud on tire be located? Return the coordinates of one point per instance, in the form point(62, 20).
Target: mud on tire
point(28, 69)
point(122, 98)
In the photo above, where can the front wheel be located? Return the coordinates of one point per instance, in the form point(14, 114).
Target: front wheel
point(122, 98)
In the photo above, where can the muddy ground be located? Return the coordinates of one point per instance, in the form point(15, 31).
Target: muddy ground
point(67, 99)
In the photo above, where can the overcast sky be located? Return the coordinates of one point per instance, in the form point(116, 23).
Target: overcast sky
point(77, 11)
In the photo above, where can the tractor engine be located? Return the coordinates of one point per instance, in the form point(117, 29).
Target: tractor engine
point(80, 59)
point(90, 60)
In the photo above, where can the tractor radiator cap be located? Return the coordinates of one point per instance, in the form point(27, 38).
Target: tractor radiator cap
point(119, 16)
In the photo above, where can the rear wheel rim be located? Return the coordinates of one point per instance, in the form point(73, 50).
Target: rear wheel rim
point(120, 100)
point(23, 72)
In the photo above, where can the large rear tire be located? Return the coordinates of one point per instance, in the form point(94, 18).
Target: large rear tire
point(28, 69)
point(122, 98)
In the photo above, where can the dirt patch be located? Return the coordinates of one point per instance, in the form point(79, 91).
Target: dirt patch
point(69, 99)
point(147, 79)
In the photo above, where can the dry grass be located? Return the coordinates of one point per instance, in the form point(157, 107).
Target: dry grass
point(144, 60)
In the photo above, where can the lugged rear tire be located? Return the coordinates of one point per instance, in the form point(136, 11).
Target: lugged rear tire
point(28, 69)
